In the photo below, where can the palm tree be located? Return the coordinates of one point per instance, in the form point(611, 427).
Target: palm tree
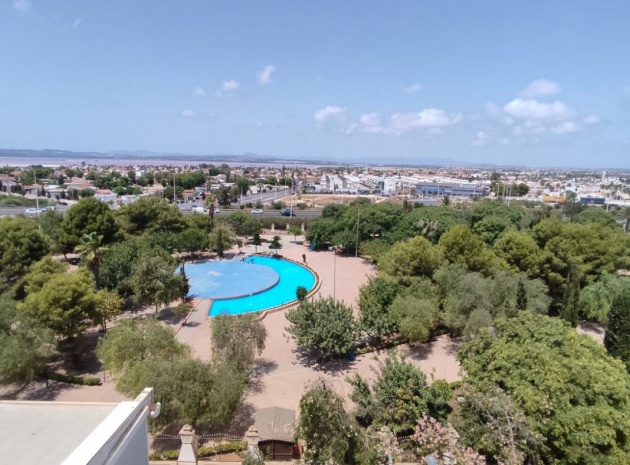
point(91, 251)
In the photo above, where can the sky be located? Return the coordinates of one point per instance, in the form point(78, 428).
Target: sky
point(535, 83)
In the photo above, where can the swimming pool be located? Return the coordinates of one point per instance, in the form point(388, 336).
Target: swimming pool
point(246, 277)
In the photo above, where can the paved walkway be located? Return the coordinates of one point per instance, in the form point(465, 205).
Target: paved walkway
point(196, 331)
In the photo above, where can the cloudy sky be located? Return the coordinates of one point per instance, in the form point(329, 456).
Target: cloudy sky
point(528, 82)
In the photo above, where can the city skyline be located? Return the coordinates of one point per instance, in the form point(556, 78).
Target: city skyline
point(491, 83)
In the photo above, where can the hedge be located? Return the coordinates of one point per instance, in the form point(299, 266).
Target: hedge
point(205, 451)
point(81, 380)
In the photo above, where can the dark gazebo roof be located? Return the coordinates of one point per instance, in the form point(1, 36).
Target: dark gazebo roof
point(275, 423)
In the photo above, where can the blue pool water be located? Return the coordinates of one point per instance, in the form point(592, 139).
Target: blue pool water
point(222, 279)
point(291, 276)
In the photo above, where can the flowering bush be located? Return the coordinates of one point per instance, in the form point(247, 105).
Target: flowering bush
point(441, 441)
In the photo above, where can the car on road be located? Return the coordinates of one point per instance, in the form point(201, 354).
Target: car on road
point(217, 210)
point(48, 209)
point(287, 212)
point(32, 212)
point(257, 211)
point(200, 210)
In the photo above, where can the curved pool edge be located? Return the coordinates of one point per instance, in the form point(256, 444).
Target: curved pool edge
point(278, 308)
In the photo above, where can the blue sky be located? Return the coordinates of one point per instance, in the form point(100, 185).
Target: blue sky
point(528, 82)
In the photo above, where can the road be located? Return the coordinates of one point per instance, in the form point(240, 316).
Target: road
point(185, 209)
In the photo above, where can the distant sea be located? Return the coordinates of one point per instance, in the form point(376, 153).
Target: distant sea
point(54, 162)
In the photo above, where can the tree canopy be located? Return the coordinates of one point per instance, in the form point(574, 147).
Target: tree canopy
point(21, 245)
point(572, 392)
point(323, 326)
point(87, 216)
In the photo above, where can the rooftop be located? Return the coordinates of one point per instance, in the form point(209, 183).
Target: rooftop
point(47, 432)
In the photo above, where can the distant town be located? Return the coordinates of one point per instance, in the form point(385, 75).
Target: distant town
point(120, 182)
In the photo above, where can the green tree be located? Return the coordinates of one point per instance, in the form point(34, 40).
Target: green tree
point(492, 422)
point(184, 283)
point(275, 244)
point(25, 344)
point(117, 267)
point(155, 282)
point(192, 241)
point(595, 215)
point(597, 298)
point(91, 251)
point(461, 245)
point(237, 339)
point(617, 339)
point(150, 214)
point(21, 245)
point(322, 230)
point(570, 306)
point(330, 434)
point(135, 341)
point(51, 226)
point(295, 230)
point(323, 326)
point(256, 240)
point(572, 206)
point(41, 272)
point(375, 297)
point(428, 222)
point(579, 402)
point(108, 306)
point(66, 303)
point(416, 316)
point(300, 293)
point(520, 251)
point(87, 216)
point(221, 239)
point(521, 296)
point(398, 397)
point(492, 227)
point(415, 257)
point(244, 224)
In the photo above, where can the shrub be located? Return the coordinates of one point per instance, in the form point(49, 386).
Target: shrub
point(301, 293)
point(224, 448)
point(80, 380)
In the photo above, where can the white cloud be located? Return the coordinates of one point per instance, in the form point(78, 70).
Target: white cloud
point(199, 91)
point(531, 108)
point(22, 5)
point(227, 88)
point(540, 88)
point(432, 119)
point(188, 113)
point(481, 139)
point(415, 87)
point(493, 109)
point(371, 122)
point(427, 118)
point(264, 77)
point(323, 114)
point(76, 23)
point(591, 119)
point(566, 128)
point(350, 129)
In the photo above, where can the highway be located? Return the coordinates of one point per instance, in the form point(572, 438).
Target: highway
point(185, 209)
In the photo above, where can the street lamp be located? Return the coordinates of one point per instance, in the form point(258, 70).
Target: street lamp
point(334, 274)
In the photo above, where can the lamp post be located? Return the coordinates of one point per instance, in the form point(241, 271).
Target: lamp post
point(356, 249)
point(335, 274)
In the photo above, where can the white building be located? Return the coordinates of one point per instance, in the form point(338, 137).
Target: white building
point(34, 433)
